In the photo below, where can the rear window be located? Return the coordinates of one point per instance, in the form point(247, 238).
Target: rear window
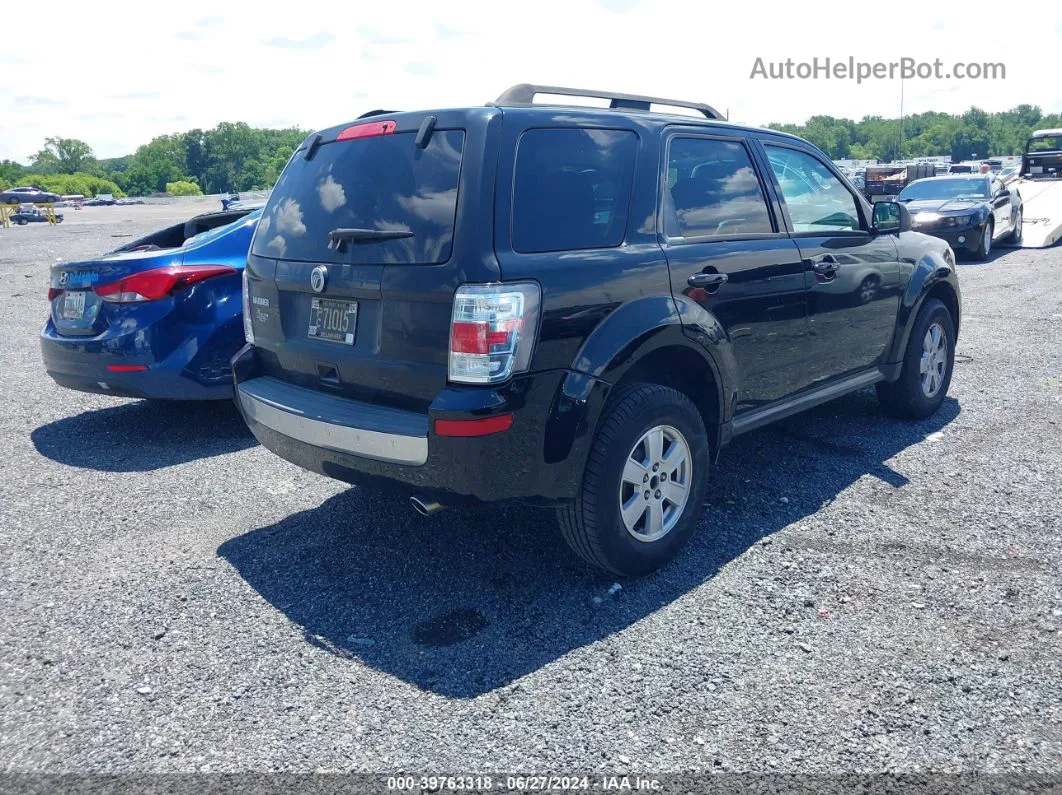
point(572, 189)
point(380, 183)
point(1053, 144)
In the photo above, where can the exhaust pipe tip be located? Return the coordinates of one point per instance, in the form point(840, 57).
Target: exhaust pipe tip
point(424, 506)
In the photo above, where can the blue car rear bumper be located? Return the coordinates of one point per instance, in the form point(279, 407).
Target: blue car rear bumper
point(194, 365)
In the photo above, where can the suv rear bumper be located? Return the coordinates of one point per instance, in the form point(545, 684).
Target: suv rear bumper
point(540, 459)
point(333, 423)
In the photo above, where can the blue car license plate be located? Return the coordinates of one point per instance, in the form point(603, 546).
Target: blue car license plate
point(73, 305)
point(333, 321)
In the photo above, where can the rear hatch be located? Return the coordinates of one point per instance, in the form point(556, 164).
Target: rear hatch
point(1043, 158)
point(365, 312)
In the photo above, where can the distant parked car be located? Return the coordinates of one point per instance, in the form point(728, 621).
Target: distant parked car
point(160, 317)
point(102, 200)
point(970, 212)
point(28, 195)
point(28, 214)
point(1010, 173)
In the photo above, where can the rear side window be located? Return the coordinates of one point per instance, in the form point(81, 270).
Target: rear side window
point(378, 183)
point(572, 189)
point(714, 190)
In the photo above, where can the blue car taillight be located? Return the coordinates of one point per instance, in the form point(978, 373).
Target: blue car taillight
point(157, 283)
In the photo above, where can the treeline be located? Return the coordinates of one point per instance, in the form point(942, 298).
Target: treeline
point(230, 157)
point(235, 156)
point(974, 134)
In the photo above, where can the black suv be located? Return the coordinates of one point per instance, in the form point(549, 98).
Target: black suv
point(574, 307)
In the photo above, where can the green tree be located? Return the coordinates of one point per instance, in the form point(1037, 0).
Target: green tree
point(11, 172)
point(64, 156)
point(970, 142)
point(183, 188)
point(81, 182)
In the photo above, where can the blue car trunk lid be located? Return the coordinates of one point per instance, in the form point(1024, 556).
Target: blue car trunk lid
point(76, 309)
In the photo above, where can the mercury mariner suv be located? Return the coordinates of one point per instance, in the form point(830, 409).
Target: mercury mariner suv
point(574, 307)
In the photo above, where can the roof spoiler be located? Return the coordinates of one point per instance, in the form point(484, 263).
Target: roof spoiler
point(524, 94)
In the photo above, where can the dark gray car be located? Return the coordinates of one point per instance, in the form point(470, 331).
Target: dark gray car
point(28, 195)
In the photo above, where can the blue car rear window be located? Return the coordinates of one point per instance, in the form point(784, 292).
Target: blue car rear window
point(220, 231)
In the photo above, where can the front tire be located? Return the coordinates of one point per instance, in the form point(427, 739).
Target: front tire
point(927, 366)
point(1015, 236)
point(985, 248)
point(652, 441)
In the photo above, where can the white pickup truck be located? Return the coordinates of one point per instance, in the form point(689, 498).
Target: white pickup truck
point(1040, 187)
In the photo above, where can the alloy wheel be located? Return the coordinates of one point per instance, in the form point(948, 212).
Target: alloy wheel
point(655, 484)
point(934, 363)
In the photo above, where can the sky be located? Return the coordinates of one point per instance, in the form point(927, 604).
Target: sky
point(116, 74)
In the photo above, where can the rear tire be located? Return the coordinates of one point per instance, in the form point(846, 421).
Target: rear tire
point(868, 289)
point(927, 366)
point(654, 435)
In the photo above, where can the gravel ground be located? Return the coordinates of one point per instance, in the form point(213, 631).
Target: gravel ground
point(863, 594)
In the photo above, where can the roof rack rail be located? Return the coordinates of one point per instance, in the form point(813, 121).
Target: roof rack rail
point(376, 113)
point(524, 94)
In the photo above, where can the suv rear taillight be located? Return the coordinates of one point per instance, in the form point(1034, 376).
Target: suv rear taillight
point(248, 329)
point(492, 332)
point(157, 283)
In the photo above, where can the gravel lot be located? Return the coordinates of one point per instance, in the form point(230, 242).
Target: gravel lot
point(864, 594)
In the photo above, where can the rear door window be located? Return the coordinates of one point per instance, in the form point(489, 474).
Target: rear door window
point(714, 190)
point(572, 189)
point(378, 183)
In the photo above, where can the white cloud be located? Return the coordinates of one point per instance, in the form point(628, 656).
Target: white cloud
point(331, 194)
point(289, 218)
point(404, 55)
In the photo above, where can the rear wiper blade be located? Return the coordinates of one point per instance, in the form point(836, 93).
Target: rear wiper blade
point(338, 238)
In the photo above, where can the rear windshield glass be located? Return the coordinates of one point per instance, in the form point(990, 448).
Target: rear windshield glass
point(973, 188)
point(572, 189)
point(379, 183)
point(1045, 144)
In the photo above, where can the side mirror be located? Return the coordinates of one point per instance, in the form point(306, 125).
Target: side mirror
point(890, 217)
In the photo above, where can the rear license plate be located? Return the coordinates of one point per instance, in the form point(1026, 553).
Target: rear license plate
point(73, 305)
point(334, 321)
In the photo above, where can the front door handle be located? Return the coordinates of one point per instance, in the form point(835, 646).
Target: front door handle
point(708, 281)
point(825, 265)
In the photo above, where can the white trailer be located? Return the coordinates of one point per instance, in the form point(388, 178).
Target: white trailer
point(1040, 187)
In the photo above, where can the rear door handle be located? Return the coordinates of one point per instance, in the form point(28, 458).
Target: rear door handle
point(708, 281)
